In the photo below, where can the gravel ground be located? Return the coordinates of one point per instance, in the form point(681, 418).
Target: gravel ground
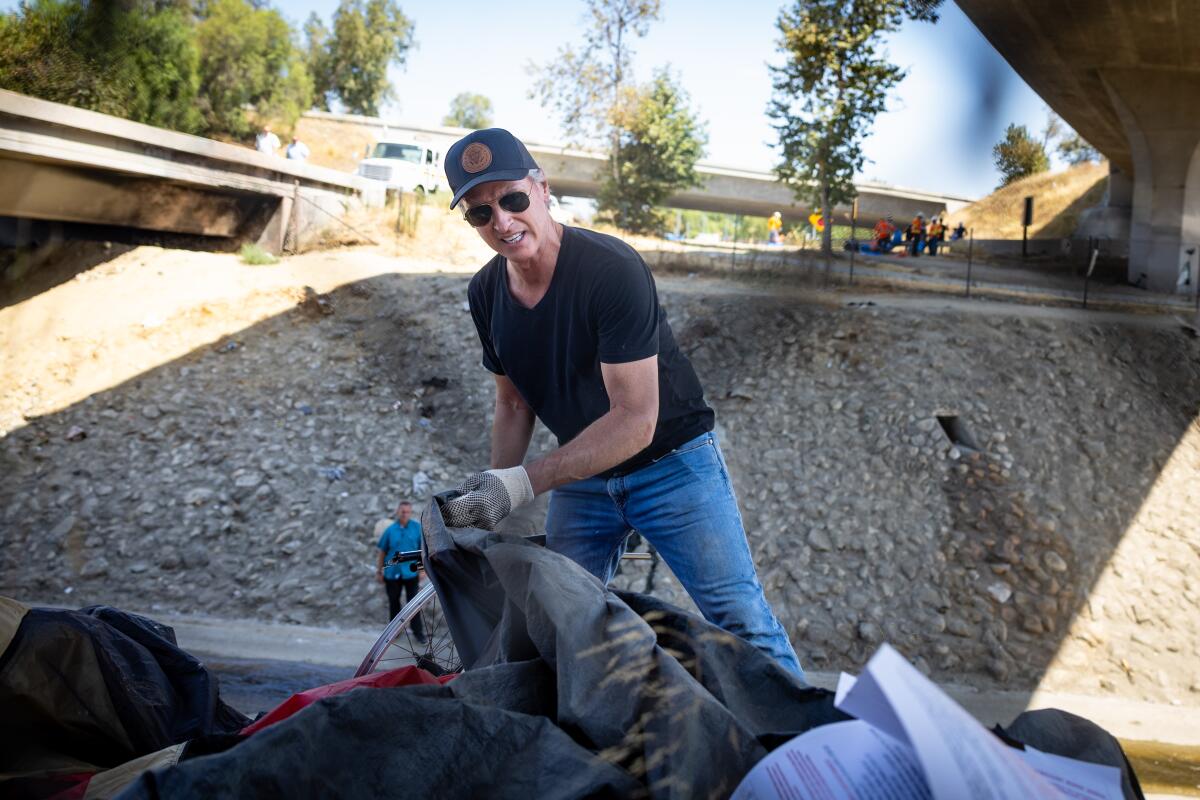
point(1009, 498)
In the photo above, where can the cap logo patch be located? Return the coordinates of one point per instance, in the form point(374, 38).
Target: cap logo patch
point(477, 157)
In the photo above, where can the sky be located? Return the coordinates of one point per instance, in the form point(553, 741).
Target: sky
point(937, 133)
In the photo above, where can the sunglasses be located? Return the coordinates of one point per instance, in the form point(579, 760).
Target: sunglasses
point(513, 203)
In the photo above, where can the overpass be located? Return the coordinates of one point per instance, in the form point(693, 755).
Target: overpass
point(65, 164)
point(1126, 76)
point(573, 172)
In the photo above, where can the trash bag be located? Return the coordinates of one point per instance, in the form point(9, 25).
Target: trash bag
point(83, 691)
point(572, 690)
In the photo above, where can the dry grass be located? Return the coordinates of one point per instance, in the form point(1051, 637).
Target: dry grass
point(1059, 198)
point(337, 145)
point(440, 234)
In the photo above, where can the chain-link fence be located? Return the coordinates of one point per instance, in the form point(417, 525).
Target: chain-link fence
point(1069, 270)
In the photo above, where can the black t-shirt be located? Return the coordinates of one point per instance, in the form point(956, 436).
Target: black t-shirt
point(601, 306)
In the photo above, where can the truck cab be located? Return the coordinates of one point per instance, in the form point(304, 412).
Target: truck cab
point(404, 166)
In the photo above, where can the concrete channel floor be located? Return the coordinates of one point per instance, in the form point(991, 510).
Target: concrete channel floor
point(261, 664)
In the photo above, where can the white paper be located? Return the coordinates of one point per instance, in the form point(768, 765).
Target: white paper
point(845, 684)
point(865, 700)
point(912, 741)
point(960, 758)
point(1078, 780)
point(839, 761)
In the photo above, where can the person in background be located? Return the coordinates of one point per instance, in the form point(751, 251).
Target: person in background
point(266, 142)
point(960, 231)
point(918, 234)
point(883, 234)
point(774, 227)
point(403, 535)
point(937, 233)
point(297, 150)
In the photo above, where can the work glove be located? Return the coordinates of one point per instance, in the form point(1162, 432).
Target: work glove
point(485, 498)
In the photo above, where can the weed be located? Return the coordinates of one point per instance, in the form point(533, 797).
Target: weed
point(255, 255)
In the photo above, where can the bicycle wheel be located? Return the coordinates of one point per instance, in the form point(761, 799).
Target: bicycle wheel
point(399, 645)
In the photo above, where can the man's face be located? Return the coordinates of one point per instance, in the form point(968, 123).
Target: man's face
point(516, 236)
point(404, 513)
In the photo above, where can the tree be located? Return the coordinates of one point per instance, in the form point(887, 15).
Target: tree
point(136, 60)
point(834, 80)
point(249, 57)
point(590, 89)
point(469, 110)
point(657, 151)
point(1074, 149)
point(316, 58)
point(1053, 129)
point(1019, 155)
point(367, 37)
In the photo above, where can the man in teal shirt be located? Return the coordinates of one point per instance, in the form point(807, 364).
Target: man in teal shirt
point(403, 535)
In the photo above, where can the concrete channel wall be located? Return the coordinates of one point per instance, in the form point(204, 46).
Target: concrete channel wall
point(65, 164)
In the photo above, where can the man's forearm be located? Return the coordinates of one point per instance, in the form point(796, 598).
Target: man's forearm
point(613, 438)
point(512, 429)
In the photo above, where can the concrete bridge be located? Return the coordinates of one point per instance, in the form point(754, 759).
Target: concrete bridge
point(65, 164)
point(1126, 76)
point(732, 191)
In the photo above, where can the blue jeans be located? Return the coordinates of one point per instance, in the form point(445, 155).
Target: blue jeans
point(684, 505)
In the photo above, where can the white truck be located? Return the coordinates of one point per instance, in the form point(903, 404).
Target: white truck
point(404, 166)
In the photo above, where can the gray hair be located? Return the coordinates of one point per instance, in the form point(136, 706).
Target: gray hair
point(537, 175)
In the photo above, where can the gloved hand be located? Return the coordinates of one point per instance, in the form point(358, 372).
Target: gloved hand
point(485, 498)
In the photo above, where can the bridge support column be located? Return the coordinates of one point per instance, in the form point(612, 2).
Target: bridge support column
point(1157, 110)
point(274, 233)
point(1110, 220)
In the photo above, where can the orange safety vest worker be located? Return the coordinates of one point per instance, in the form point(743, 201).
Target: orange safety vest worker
point(917, 224)
point(884, 229)
point(935, 229)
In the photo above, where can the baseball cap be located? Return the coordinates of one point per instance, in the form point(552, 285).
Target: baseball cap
point(492, 154)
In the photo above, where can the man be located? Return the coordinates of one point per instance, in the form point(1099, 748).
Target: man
point(297, 150)
point(774, 227)
point(937, 232)
point(918, 234)
point(266, 142)
point(402, 536)
point(883, 234)
point(573, 333)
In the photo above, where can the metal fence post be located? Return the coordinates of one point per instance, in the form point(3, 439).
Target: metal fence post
point(828, 259)
point(737, 223)
point(1087, 278)
point(970, 257)
point(853, 242)
point(1194, 277)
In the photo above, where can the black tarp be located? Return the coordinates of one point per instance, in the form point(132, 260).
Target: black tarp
point(573, 691)
point(82, 691)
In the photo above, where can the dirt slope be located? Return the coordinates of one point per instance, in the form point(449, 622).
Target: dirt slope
point(1058, 199)
point(185, 433)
